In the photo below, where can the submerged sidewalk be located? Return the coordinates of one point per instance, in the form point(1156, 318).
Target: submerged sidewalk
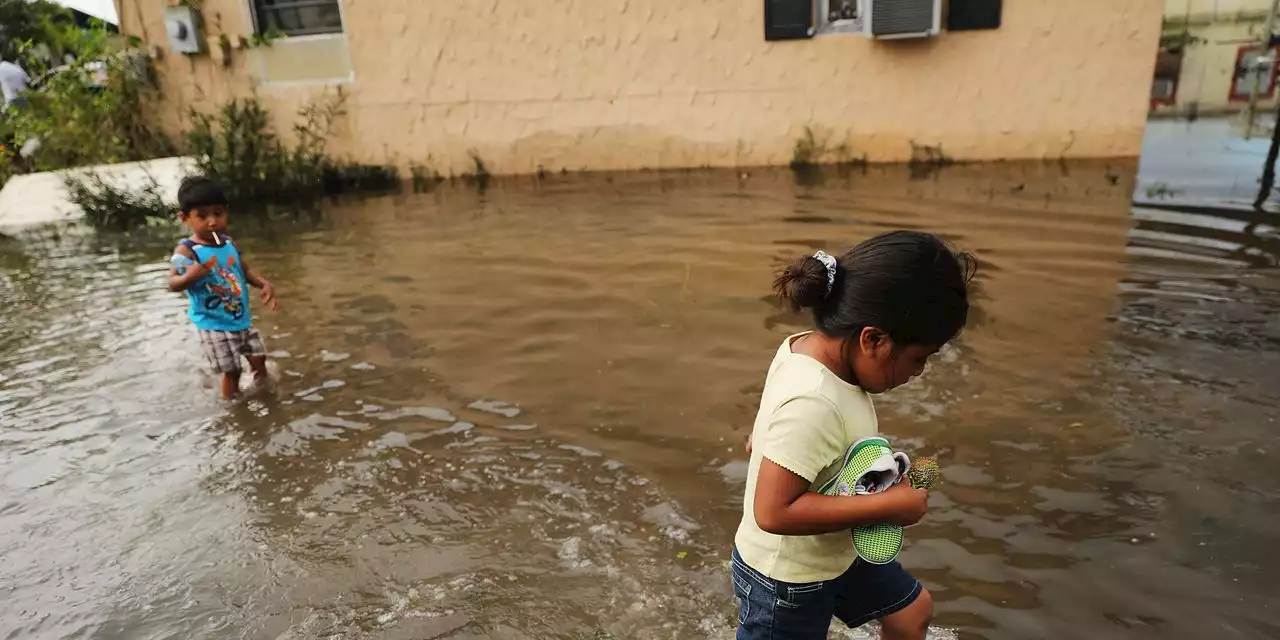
point(1207, 162)
point(40, 198)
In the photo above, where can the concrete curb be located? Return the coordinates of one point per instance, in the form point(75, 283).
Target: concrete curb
point(40, 198)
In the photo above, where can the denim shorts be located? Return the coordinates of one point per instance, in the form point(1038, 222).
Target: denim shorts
point(769, 609)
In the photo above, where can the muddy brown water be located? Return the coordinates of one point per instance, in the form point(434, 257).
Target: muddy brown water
point(520, 414)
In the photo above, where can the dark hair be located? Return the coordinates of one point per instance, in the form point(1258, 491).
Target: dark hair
point(200, 191)
point(909, 284)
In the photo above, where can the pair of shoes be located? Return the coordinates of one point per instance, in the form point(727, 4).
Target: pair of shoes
point(871, 466)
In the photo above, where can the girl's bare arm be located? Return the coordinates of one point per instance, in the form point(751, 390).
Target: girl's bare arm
point(784, 505)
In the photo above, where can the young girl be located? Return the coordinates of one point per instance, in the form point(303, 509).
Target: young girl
point(880, 312)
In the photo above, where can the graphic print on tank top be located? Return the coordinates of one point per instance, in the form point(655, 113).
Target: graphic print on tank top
point(219, 301)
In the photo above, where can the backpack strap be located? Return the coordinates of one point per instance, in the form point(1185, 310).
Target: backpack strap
point(191, 246)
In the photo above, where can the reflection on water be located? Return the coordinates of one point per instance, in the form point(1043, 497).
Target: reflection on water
point(521, 415)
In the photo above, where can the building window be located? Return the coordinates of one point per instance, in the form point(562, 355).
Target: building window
point(838, 16)
point(1248, 61)
point(298, 17)
point(1164, 88)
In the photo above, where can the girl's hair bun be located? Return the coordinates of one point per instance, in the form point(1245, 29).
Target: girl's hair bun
point(908, 284)
point(802, 284)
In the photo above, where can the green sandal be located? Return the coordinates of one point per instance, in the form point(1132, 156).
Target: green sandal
point(871, 466)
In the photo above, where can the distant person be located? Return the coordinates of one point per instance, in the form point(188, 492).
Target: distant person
point(880, 311)
point(213, 272)
point(13, 82)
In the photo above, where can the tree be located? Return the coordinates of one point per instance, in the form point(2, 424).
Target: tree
point(90, 111)
point(34, 33)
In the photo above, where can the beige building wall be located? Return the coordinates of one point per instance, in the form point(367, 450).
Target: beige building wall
point(1218, 29)
point(631, 84)
point(1215, 8)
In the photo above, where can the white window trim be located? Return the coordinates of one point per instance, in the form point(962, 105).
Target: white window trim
point(314, 37)
point(251, 19)
point(319, 82)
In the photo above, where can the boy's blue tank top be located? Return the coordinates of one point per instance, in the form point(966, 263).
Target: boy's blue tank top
point(219, 301)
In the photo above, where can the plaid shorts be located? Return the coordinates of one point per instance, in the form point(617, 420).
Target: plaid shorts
point(223, 348)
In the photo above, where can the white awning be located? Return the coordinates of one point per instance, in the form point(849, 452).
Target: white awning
point(104, 10)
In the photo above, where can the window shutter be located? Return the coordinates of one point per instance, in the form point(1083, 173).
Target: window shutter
point(973, 15)
point(788, 19)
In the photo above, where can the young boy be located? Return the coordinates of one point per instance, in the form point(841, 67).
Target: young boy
point(214, 274)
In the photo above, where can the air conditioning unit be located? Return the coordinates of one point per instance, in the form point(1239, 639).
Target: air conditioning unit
point(897, 19)
point(182, 25)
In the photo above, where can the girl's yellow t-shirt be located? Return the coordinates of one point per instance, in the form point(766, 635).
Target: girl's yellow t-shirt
point(808, 418)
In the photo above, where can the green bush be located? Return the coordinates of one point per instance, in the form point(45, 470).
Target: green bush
point(238, 147)
point(111, 206)
point(35, 33)
point(91, 112)
point(8, 167)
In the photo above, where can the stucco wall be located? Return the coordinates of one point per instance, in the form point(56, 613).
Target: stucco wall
point(628, 84)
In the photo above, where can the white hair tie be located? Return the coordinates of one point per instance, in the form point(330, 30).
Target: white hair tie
point(831, 265)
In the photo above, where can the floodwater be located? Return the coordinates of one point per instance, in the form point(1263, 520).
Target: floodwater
point(520, 414)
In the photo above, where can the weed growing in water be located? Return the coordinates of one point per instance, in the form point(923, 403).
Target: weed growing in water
point(424, 177)
point(597, 634)
point(814, 148)
point(806, 151)
point(479, 175)
point(1162, 190)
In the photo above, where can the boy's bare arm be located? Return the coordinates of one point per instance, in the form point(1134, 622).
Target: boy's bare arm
point(255, 280)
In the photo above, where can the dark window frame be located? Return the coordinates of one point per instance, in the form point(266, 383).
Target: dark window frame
point(261, 9)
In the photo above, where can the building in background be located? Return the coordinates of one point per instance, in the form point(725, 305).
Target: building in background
point(631, 84)
point(1209, 51)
